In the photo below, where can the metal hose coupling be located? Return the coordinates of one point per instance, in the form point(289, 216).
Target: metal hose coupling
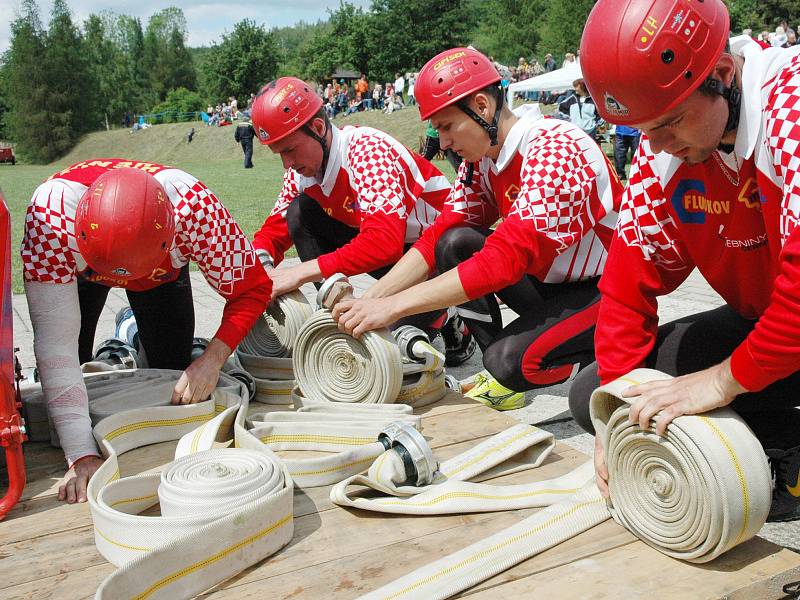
point(410, 444)
point(335, 288)
point(408, 337)
point(116, 353)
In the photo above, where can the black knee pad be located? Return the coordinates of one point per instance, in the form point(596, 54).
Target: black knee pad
point(456, 245)
point(580, 392)
point(503, 360)
point(295, 210)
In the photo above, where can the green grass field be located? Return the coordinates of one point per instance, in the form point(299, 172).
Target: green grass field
point(213, 157)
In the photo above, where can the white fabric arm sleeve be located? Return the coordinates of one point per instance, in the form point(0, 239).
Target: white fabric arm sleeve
point(56, 318)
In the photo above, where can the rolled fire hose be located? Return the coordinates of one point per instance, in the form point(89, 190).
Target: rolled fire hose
point(266, 350)
point(693, 494)
point(379, 368)
point(222, 509)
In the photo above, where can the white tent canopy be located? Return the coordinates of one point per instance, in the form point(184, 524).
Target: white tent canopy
point(558, 80)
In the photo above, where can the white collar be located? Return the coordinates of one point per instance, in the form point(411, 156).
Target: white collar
point(332, 168)
point(528, 114)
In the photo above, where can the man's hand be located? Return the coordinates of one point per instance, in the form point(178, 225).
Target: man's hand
point(73, 485)
point(687, 395)
point(200, 378)
point(284, 281)
point(356, 317)
point(600, 468)
point(287, 280)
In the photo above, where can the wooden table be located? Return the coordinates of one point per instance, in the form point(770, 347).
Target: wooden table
point(47, 547)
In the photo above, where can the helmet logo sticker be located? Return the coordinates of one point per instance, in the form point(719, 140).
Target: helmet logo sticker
point(263, 134)
point(614, 106)
point(120, 271)
point(448, 59)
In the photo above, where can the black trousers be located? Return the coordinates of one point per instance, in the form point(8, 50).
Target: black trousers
point(314, 233)
point(432, 148)
point(550, 340)
point(164, 317)
point(623, 143)
point(247, 148)
point(698, 342)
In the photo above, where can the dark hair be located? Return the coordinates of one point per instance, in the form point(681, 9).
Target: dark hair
point(704, 89)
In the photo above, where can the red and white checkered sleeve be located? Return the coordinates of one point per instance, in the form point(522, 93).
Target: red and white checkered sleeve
point(46, 255)
point(646, 260)
point(207, 234)
point(466, 205)
point(558, 184)
point(378, 177)
point(771, 351)
point(273, 236)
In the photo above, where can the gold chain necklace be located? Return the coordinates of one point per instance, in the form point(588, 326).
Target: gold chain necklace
point(725, 168)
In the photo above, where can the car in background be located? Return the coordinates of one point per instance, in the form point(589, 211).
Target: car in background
point(7, 154)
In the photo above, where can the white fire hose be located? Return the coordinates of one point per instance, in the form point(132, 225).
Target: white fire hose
point(222, 509)
point(695, 493)
point(266, 350)
point(380, 368)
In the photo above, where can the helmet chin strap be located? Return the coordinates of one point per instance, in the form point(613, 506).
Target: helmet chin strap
point(490, 128)
point(322, 142)
point(731, 94)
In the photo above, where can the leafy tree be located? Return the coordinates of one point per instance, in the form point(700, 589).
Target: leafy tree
point(23, 72)
point(179, 102)
point(405, 34)
point(291, 42)
point(110, 65)
point(165, 59)
point(518, 20)
point(244, 60)
point(562, 27)
point(319, 56)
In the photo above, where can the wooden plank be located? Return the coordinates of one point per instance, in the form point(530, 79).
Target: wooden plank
point(349, 576)
point(634, 571)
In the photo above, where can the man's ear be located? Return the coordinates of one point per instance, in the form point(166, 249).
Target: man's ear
point(318, 126)
point(482, 103)
point(724, 69)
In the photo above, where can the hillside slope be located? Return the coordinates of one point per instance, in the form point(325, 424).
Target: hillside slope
point(167, 143)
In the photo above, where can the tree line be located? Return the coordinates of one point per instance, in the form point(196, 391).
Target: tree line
point(59, 82)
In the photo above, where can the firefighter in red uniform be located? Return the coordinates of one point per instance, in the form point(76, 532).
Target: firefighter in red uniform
point(353, 199)
point(557, 195)
point(112, 223)
point(715, 184)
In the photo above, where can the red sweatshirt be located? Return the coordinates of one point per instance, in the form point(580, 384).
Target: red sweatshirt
point(738, 229)
point(372, 183)
point(557, 195)
point(205, 232)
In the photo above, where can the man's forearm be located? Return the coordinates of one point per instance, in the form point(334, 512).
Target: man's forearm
point(408, 271)
point(439, 292)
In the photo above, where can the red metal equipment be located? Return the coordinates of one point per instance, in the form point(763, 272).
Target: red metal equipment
point(12, 428)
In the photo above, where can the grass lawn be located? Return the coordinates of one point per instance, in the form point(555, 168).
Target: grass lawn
point(213, 157)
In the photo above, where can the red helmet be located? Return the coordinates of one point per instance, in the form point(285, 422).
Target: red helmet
point(282, 107)
point(641, 58)
point(450, 76)
point(124, 224)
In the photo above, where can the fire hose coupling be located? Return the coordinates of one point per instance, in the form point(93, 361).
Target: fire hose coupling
point(116, 352)
point(335, 288)
point(410, 444)
point(407, 337)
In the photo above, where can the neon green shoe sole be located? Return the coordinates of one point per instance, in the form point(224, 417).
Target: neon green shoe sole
point(494, 395)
